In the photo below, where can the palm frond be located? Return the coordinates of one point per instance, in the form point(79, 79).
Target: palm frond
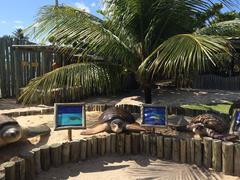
point(226, 28)
point(185, 54)
point(75, 80)
point(89, 34)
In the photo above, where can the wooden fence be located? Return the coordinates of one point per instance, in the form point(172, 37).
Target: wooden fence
point(216, 82)
point(17, 67)
point(208, 153)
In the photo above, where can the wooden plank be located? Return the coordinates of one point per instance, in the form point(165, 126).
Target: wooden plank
point(8, 72)
point(167, 144)
point(198, 152)
point(183, 150)
point(153, 145)
point(207, 155)
point(2, 70)
point(237, 159)
point(12, 68)
point(135, 143)
point(217, 155)
point(56, 154)
point(160, 146)
point(175, 149)
point(227, 158)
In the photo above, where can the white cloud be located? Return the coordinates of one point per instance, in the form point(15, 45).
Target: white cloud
point(17, 22)
point(18, 27)
point(82, 6)
point(3, 22)
point(93, 4)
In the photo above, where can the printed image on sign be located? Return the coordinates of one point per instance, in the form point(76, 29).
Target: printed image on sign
point(69, 116)
point(154, 116)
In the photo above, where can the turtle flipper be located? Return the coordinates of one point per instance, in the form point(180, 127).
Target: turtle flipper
point(134, 127)
point(39, 130)
point(96, 129)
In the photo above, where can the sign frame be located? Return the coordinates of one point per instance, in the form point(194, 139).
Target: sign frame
point(81, 105)
point(234, 121)
point(153, 106)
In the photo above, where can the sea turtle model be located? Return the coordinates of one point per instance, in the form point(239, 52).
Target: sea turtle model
point(210, 125)
point(114, 120)
point(11, 131)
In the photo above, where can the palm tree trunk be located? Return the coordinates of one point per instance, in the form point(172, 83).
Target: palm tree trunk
point(147, 94)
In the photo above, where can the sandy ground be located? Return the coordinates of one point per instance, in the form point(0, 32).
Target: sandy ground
point(129, 168)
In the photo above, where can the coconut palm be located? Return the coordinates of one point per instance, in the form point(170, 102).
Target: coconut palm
point(149, 38)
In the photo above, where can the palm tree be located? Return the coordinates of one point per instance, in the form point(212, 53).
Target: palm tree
point(151, 39)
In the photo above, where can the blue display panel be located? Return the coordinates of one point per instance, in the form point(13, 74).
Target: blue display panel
point(69, 116)
point(154, 116)
point(237, 121)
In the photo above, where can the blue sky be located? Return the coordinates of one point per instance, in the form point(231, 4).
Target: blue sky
point(21, 13)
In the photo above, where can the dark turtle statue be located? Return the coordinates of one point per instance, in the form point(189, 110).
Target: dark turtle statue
point(209, 125)
point(114, 120)
point(11, 131)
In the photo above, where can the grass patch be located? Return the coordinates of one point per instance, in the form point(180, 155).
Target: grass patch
point(221, 107)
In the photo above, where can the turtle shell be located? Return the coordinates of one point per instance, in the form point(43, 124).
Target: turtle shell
point(5, 120)
point(116, 113)
point(210, 121)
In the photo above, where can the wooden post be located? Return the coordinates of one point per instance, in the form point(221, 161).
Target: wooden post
point(141, 143)
point(120, 143)
point(65, 152)
point(113, 142)
point(29, 165)
point(74, 151)
point(160, 146)
point(83, 149)
point(89, 147)
point(45, 157)
point(237, 159)
point(153, 144)
point(167, 148)
point(146, 144)
point(108, 144)
point(37, 160)
point(227, 157)
point(101, 145)
point(128, 144)
point(192, 145)
point(188, 150)
point(69, 134)
point(183, 151)
point(135, 143)
point(9, 170)
point(94, 146)
point(198, 151)
point(56, 154)
point(19, 167)
point(207, 155)
point(217, 155)
point(176, 149)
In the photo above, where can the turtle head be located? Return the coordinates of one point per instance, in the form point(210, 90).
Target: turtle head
point(117, 125)
point(10, 133)
point(199, 128)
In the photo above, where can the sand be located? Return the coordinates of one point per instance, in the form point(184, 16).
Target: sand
point(129, 168)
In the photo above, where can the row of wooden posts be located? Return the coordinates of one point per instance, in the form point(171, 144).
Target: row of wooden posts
point(221, 156)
